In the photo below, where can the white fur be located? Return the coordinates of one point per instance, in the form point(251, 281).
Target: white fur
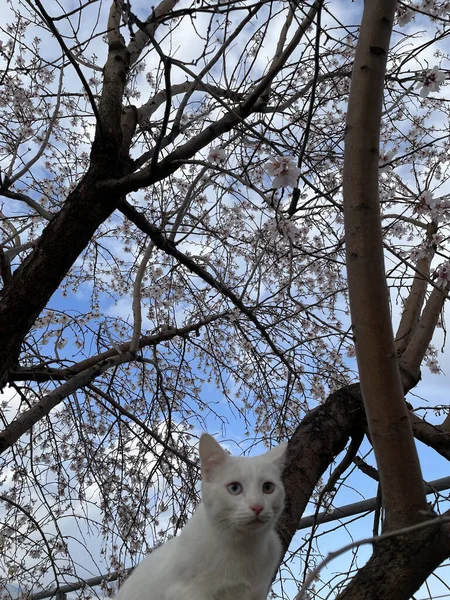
point(225, 552)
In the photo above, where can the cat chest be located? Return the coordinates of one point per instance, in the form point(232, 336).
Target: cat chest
point(229, 580)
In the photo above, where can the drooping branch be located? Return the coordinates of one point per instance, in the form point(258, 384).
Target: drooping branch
point(389, 426)
point(42, 408)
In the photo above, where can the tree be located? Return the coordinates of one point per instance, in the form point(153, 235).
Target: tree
point(173, 223)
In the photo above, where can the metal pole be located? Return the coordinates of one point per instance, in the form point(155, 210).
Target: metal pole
point(356, 508)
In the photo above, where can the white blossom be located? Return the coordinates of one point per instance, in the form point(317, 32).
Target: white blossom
point(386, 157)
point(436, 208)
point(443, 275)
point(217, 156)
point(424, 202)
point(284, 227)
point(404, 15)
point(431, 81)
point(284, 170)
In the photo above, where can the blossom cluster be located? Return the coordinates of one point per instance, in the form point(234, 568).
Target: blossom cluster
point(436, 208)
point(284, 170)
point(430, 81)
point(406, 13)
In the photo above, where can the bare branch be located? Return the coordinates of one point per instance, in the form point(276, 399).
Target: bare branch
point(423, 332)
point(416, 296)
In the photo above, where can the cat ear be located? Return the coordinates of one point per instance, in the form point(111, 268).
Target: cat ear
point(277, 455)
point(211, 455)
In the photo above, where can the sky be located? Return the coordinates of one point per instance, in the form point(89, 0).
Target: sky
point(432, 389)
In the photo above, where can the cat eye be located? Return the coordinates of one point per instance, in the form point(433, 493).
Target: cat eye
point(268, 487)
point(234, 488)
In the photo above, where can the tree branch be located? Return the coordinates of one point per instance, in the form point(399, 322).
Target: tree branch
point(390, 429)
point(168, 247)
point(416, 296)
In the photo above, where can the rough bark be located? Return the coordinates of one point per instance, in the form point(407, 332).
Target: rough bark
point(320, 437)
point(30, 288)
point(400, 565)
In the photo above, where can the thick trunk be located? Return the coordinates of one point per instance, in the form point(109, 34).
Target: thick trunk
point(381, 385)
point(400, 565)
point(34, 282)
point(319, 438)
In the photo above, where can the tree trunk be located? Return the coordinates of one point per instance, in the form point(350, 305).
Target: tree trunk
point(400, 565)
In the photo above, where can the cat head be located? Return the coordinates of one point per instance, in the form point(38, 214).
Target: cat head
point(241, 494)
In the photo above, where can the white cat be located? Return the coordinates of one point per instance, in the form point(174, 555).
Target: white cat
point(229, 550)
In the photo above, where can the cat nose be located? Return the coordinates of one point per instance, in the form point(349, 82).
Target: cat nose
point(257, 508)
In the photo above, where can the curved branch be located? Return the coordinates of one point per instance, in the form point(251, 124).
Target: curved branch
point(43, 212)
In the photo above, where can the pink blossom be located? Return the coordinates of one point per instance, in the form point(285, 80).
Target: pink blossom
point(284, 170)
point(436, 208)
point(284, 227)
point(433, 365)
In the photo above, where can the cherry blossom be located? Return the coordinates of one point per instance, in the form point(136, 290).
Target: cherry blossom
point(217, 156)
point(287, 270)
point(386, 157)
point(431, 81)
point(424, 202)
point(436, 208)
point(284, 227)
point(284, 170)
point(404, 15)
point(443, 275)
